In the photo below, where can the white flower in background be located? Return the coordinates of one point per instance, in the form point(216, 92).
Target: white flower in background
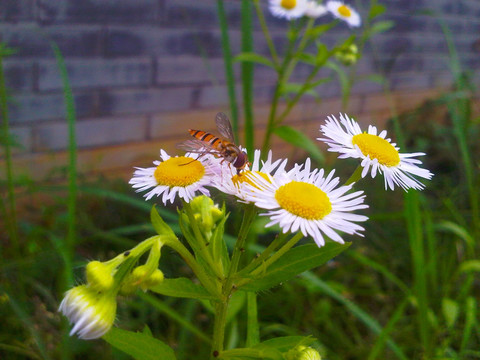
point(289, 9)
point(344, 12)
point(305, 200)
point(182, 175)
point(233, 183)
point(91, 311)
point(314, 10)
point(375, 151)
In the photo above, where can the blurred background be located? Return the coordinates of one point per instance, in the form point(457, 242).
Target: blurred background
point(142, 72)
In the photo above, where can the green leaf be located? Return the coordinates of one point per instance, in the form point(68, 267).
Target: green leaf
point(236, 304)
point(299, 139)
point(469, 266)
point(319, 30)
point(181, 287)
point(294, 262)
point(381, 26)
point(450, 311)
point(138, 345)
point(295, 88)
point(159, 225)
point(255, 58)
point(285, 343)
point(308, 58)
point(376, 10)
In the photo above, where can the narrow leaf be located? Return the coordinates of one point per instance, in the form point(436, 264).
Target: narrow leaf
point(181, 287)
point(299, 139)
point(294, 262)
point(140, 346)
point(381, 26)
point(255, 58)
point(159, 225)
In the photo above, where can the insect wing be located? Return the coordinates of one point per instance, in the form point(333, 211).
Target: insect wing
point(224, 126)
point(197, 146)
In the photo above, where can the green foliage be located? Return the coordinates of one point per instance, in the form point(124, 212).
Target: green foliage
point(181, 287)
point(292, 263)
point(141, 346)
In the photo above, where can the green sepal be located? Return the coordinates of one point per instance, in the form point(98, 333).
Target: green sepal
point(182, 288)
point(140, 346)
point(159, 225)
point(294, 262)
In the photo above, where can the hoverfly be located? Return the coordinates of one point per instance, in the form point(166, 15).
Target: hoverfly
point(207, 143)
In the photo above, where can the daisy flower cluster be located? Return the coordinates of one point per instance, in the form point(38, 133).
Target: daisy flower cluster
point(299, 199)
point(294, 9)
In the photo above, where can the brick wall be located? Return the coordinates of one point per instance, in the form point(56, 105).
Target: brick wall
point(143, 71)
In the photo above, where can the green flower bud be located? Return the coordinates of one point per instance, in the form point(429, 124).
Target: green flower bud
point(348, 55)
point(91, 311)
point(99, 275)
point(302, 352)
point(206, 213)
point(154, 279)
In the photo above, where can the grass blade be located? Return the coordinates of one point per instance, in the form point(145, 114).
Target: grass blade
point(247, 75)
point(228, 62)
point(370, 322)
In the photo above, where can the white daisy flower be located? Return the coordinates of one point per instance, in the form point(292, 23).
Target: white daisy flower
point(289, 9)
point(314, 10)
point(376, 152)
point(344, 12)
point(305, 200)
point(91, 311)
point(182, 175)
point(233, 183)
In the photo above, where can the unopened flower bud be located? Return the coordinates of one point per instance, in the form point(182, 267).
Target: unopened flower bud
point(302, 352)
point(348, 55)
point(91, 311)
point(205, 212)
point(154, 279)
point(99, 275)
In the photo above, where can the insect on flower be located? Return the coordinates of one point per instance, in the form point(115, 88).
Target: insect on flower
point(207, 143)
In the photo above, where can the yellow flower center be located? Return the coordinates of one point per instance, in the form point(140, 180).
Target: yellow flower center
point(344, 11)
point(247, 177)
point(179, 171)
point(304, 200)
point(288, 4)
point(377, 148)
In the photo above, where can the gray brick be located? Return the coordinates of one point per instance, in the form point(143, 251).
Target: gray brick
point(127, 41)
point(91, 132)
point(21, 139)
point(410, 81)
point(88, 73)
point(98, 11)
point(217, 96)
point(137, 101)
point(189, 69)
point(19, 75)
point(16, 10)
point(32, 41)
point(189, 12)
point(35, 107)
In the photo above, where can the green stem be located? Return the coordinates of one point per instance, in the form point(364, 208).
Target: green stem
point(253, 335)
point(301, 46)
point(291, 243)
point(248, 217)
point(276, 94)
point(221, 308)
point(266, 33)
point(12, 207)
point(279, 239)
point(247, 76)
point(228, 61)
point(204, 251)
point(357, 175)
point(249, 353)
point(189, 259)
